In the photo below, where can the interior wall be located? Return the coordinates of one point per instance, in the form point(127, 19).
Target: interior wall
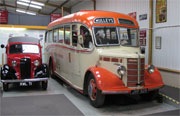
point(169, 54)
point(85, 5)
point(23, 19)
point(171, 79)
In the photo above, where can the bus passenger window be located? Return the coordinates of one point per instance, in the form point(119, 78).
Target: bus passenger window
point(67, 35)
point(87, 38)
point(50, 39)
point(74, 35)
point(61, 35)
point(55, 39)
point(46, 37)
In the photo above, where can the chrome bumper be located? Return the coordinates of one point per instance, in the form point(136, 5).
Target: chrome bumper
point(129, 90)
point(25, 80)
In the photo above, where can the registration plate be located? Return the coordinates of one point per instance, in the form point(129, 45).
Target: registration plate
point(139, 91)
point(25, 83)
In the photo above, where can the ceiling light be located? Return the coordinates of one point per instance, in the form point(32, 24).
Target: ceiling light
point(31, 13)
point(27, 12)
point(35, 6)
point(27, 1)
point(21, 11)
point(37, 3)
point(22, 3)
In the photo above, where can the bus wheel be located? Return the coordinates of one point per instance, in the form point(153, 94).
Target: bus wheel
point(44, 85)
point(5, 86)
point(150, 96)
point(95, 95)
point(51, 73)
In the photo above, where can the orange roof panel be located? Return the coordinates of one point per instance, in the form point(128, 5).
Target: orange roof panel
point(88, 17)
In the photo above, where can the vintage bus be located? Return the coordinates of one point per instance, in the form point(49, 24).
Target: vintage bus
point(98, 53)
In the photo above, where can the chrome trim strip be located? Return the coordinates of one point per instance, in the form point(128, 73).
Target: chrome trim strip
point(129, 91)
point(25, 80)
point(139, 65)
point(115, 92)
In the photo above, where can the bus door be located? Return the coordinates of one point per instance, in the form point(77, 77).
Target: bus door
point(86, 56)
point(73, 61)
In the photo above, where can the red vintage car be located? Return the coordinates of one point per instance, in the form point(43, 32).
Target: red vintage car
point(24, 63)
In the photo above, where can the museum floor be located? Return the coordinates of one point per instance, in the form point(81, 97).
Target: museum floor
point(63, 100)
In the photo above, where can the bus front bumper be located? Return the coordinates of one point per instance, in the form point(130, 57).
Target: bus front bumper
point(132, 91)
point(25, 80)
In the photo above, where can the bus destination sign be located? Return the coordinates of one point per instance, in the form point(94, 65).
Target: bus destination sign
point(104, 20)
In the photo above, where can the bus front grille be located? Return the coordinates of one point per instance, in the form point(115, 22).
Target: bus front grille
point(25, 68)
point(135, 72)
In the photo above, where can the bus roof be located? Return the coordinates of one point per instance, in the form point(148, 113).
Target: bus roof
point(23, 39)
point(88, 17)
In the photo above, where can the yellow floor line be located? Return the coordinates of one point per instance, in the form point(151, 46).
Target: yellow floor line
point(171, 99)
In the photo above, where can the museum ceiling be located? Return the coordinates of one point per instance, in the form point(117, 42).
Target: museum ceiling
point(39, 7)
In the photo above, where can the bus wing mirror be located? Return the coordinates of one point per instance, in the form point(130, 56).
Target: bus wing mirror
point(142, 50)
point(80, 39)
point(40, 39)
point(2, 46)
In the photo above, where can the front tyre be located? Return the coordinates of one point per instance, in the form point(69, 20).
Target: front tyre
point(150, 96)
point(44, 85)
point(95, 95)
point(51, 72)
point(5, 86)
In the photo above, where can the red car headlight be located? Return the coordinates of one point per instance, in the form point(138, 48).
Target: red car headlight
point(14, 63)
point(36, 63)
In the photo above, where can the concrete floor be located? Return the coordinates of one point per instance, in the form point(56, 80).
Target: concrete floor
point(115, 105)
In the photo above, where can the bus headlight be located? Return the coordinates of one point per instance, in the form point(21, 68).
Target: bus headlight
point(36, 63)
point(151, 68)
point(14, 63)
point(121, 71)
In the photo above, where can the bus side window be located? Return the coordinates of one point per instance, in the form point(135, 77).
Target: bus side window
point(61, 35)
point(50, 38)
point(87, 38)
point(67, 34)
point(55, 35)
point(74, 35)
point(46, 37)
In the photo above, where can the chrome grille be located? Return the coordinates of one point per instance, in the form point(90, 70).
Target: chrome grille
point(25, 68)
point(133, 72)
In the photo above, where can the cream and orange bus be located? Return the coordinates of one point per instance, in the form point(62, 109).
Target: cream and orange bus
point(98, 53)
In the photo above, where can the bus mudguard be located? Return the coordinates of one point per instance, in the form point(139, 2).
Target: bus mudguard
point(153, 79)
point(106, 80)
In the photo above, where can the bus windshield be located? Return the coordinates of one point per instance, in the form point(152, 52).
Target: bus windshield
point(128, 37)
point(108, 36)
